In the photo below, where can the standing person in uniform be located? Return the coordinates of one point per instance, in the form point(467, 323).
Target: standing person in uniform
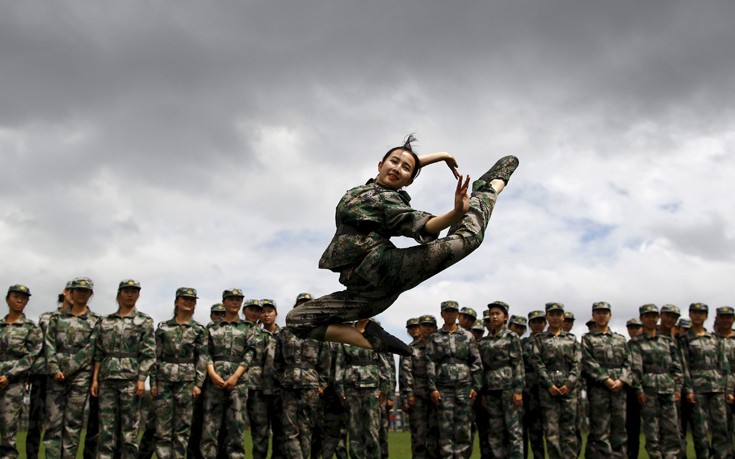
point(632, 406)
point(556, 359)
point(467, 318)
point(503, 383)
point(725, 318)
point(668, 316)
point(372, 269)
point(334, 413)
point(414, 386)
point(361, 385)
point(229, 355)
point(181, 361)
point(455, 377)
point(389, 367)
point(70, 342)
point(706, 385)
point(657, 377)
point(38, 381)
point(302, 370)
point(124, 358)
point(606, 367)
point(20, 346)
point(532, 425)
point(517, 325)
point(478, 330)
point(567, 326)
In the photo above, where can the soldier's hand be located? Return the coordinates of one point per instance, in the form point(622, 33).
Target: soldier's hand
point(691, 399)
point(563, 390)
point(473, 395)
point(436, 397)
point(518, 400)
point(320, 391)
point(154, 390)
point(617, 385)
point(218, 382)
point(3, 381)
point(409, 403)
point(642, 399)
point(196, 392)
point(59, 376)
point(677, 396)
point(139, 388)
point(231, 382)
point(95, 388)
point(729, 399)
point(389, 403)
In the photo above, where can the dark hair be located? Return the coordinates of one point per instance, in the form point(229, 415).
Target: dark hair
point(409, 148)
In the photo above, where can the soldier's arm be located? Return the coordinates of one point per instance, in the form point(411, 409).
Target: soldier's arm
point(683, 349)
point(339, 370)
point(52, 363)
point(202, 351)
point(519, 370)
point(146, 350)
point(636, 367)
point(405, 377)
point(590, 366)
point(431, 365)
point(576, 364)
point(475, 363)
point(538, 364)
point(32, 346)
point(85, 357)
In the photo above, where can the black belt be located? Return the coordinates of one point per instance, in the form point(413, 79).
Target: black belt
point(227, 358)
point(454, 360)
point(498, 365)
point(179, 360)
point(122, 355)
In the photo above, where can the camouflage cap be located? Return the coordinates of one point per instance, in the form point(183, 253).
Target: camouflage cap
point(698, 307)
point(68, 285)
point(233, 292)
point(252, 302)
point(500, 304)
point(486, 314)
point(217, 307)
point(412, 322)
point(518, 320)
point(554, 307)
point(128, 283)
point(478, 326)
point(269, 303)
point(601, 306)
point(646, 308)
point(186, 292)
point(725, 311)
point(670, 308)
point(684, 323)
point(20, 288)
point(84, 283)
point(427, 319)
point(304, 297)
point(469, 311)
point(449, 305)
point(536, 315)
point(568, 315)
point(633, 323)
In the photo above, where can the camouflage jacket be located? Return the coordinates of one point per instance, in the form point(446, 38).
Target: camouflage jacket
point(230, 346)
point(367, 217)
point(389, 363)
point(301, 363)
point(605, 355)
point(453, 360)
point(126, 348)
point(728, 344)
point(705, 367)
point(261, 375)
point(556, 359)
point(181, 352)
point(530, 372)
point(502, 361)
point(655, 364)
point(20, 344)
point(70, 342)
point(39, 365)
point(412, 376)
point(359, 368)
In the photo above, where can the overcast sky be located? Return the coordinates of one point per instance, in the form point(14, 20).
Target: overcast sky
point(206, 144)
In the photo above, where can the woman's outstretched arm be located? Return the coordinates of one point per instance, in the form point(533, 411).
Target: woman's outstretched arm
point(431, 158)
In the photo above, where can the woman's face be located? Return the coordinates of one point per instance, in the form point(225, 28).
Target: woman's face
point(17, 301)
point(601, 317)
point(186, 304)
point(397, 169)
point(497, 318)
point(555, 319)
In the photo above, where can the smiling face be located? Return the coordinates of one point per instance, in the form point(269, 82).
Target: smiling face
point(396, 171)
point(186, 304)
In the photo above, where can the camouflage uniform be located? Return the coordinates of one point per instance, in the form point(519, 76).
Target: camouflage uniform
point(230, 347)
point(333, 414)
point(414, 383)
point(657, 374)
point(389, 365)
point(373, 270)
point(532, 421)
point(181, 361)
point(69, 346)
point(706, 376)
point(503, 376)
point(126, 352)
point(20, 345)
point(556, 359)
point(728, 344)
point(302, 370)
point(606, 355)
point(454, 369)
point(359, 379)
point(263, 395)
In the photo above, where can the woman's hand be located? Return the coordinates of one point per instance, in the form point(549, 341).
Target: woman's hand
point(461, 196)
point(432, 158)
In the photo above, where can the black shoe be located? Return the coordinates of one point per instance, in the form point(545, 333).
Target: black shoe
point(382, 341)
point(502, 169)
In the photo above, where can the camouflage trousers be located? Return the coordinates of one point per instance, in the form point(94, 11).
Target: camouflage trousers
point(264, 415)
point(533, 426)
point(174, 407)
point(504, 420)
point(709, 417)
point(11, 405)
point(384, 427)
point(232, 404)
point(65, 404)
point(424, 428)
point(333, 426)
point(559, 415)
point(454, 418)
point(119, 419)
point(299, 413)
point(607, 436)
point(660, 426)
point(481, 424)
point(400, 269)
point(363, 425)
point(36, 414)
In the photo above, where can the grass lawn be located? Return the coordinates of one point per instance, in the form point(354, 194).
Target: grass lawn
point(398, 442)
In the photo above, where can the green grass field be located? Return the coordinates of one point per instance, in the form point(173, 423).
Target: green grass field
point(399, 444)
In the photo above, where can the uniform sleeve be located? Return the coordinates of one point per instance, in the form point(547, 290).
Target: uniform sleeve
point(201, 351)
point(146, 350)
point(590, 366)
point(99, 348)
point(339, 372)
point(384, 374)
point(725, 367)
point(684, 360)
point(575, 363)
point(475, 363)
point(323, 364)
point(32, 347)
point(636, 367)
point(405, 377)
point(158, 335)
point(431, 365)
point(52, 363)
point(402, 219)
point(519, 370)
point(269, 365)
point(249, 354)
point(538, 364)
point(84, 358)
point(625, 369)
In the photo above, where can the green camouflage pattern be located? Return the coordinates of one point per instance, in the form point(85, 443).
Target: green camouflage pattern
point(126, 348)
point(413, 381)
point(181, 352)
point(119, 419)
point(264, 403)
point(533, 429)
